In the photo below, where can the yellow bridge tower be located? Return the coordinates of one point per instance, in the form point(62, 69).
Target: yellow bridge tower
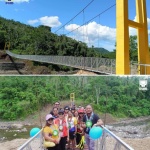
point(123, 24)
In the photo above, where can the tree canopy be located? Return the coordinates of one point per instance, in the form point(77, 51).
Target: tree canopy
point(40, 40)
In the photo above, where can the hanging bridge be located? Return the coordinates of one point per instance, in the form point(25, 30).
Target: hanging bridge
point(94, 64)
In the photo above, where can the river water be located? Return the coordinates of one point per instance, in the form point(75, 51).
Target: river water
point(15, 133)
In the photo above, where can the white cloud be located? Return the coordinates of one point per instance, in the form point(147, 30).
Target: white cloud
point(52, 21)
point(97, 34)
point(148, 21)
point(94, 34)
point(31, 22)
point(132, 31)
point(91, 33)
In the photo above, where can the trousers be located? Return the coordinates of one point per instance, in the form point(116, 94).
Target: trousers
point(90, 142)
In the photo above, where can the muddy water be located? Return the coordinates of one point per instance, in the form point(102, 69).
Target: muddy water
point(15, 133)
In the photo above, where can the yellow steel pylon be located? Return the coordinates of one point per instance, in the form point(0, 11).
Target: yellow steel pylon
point(123, 24)
point(72, 99)
point(7, 46)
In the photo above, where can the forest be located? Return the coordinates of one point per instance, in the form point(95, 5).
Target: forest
point(25, 39)
point(21, 96)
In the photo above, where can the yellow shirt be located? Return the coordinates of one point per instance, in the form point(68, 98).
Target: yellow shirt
point(50, 130)
point(75, 120)
point(72, 122)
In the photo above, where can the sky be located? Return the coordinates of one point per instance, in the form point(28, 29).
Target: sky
point(69, 17)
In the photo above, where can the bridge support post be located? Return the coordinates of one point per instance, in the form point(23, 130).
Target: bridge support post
point(7, 46)
point(122, 53)
point(123, 23)
point(143, 48)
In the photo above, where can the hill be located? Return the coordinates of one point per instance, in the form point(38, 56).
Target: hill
point(102, 50)
point(25, 39)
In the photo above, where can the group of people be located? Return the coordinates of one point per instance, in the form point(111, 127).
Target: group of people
point(66, 126)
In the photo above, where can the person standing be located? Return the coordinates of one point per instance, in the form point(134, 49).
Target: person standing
point(72, 125)
point(57, 105)
point(55, 112)
point(63, 129)
point(66, 110)
point(73, 110)
point(90, 119)
point(51, 132)
point(80, 131)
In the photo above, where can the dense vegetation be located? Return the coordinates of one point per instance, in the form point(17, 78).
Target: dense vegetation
point(26, 39)
point(120, 96)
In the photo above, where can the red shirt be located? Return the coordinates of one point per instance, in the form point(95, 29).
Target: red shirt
point(79, 122)
point(63, 126)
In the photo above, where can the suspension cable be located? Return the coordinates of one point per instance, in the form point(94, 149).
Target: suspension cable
point(99, 30)
point(93, 18)
point(75, 15)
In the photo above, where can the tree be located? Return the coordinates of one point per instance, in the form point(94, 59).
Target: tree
point(2, 39)
point(132, 48)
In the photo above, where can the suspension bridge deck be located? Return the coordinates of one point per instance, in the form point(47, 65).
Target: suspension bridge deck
point(94, 64)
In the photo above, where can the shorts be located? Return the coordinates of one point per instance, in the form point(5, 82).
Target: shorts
point(72, 135)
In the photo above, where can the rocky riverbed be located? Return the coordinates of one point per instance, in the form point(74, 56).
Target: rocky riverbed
point(132, 128)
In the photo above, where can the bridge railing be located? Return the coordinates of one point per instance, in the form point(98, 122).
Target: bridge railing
point(96, 64)
point(109, 141)
point(139, 65)
point(100, 65)
point(34, 143)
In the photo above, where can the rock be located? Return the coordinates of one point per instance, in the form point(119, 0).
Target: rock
point(17, 125)
point(24, 130)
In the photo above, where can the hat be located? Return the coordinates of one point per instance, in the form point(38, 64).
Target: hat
point(66, 108)
point(57, 103)
point(49, 116)
point(73, 108)
point(81, 111)
point(61, 111)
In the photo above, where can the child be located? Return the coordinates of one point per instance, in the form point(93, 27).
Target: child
point(72, 124)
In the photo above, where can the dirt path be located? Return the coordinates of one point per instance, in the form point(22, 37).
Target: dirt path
point(83, 72)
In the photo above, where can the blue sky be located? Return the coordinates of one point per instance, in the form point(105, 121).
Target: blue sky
point(100, 31)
